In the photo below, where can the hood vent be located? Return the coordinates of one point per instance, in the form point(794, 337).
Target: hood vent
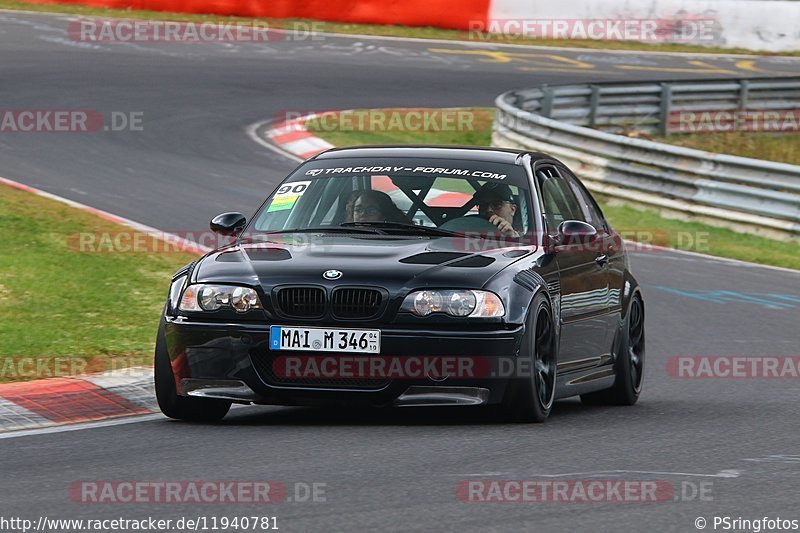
point(269, 254)
point(432, 258)
point(476, 261)
point(229, 257)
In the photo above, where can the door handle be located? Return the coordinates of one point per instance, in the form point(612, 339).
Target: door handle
point(601, 259)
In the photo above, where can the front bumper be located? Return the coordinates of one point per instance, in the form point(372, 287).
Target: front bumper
point(233, 361)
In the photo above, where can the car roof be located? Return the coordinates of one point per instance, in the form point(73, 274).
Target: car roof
point(473, 153)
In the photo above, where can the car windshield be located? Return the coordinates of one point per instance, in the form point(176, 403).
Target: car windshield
point(425, 197)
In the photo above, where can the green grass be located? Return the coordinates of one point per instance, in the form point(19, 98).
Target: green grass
point(634, 222)
point(653, 228)
point(93, 311)
point(378, 29)
point(783, 147)
point(467, 126)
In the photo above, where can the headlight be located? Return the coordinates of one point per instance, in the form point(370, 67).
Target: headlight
point(214, 297)
point(476, 304)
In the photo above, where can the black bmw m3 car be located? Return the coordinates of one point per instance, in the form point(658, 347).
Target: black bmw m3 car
point(408, 276)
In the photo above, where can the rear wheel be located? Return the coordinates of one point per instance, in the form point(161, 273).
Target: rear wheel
point(530, 398)
point(170, 402)
point(629, 367)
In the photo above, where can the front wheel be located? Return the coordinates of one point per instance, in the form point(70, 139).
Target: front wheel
point(530, 398)
point(170, 402)
point(629, 366)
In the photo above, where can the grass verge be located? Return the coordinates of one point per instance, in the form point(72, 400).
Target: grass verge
point(64, 311)
point(783, 147)
point(379, 30)
point(697, 237)
point(634, 222)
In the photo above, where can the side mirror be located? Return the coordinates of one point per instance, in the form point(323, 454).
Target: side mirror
point(575, 231)
point(228, 223)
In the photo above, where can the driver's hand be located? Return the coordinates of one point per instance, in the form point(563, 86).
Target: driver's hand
point(503, 225)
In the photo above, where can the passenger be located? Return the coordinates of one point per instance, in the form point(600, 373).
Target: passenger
point(373, 206)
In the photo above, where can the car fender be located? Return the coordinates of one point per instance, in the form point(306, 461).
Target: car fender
point(630, 287)
point(519, 289)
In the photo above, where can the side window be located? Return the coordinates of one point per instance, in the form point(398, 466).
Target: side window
point(588, 206)
point(559, 202)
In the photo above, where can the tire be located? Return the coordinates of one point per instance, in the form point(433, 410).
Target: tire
point(530, 398)
point(629, 366)
point(170, 402)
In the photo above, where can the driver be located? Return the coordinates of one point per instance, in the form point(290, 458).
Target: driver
point(496, 204)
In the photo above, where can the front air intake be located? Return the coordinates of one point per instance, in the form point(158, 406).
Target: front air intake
point(301, 302)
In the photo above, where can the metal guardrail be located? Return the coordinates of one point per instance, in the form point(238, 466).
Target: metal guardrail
point(750, 195)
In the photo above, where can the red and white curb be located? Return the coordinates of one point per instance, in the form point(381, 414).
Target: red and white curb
point(69, 400)
point(292, 137)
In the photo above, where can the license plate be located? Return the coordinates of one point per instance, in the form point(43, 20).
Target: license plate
point(325, 340)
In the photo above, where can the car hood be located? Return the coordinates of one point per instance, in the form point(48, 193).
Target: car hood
point(389, 262)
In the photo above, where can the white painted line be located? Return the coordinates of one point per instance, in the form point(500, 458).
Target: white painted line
point(594, 473)
point(84, 425)
point(488, 45)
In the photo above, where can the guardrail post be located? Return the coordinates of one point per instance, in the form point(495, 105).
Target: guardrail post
point(666, 106)
point(593, 104)
point(744, 94)
point(547, 101)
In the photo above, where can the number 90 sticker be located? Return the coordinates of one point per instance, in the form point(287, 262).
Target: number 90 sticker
point(286, 195)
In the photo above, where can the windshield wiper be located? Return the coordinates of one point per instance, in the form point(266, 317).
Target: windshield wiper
point(424, 230)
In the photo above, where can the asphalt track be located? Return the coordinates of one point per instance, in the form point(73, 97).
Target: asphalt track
point(390, 471)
